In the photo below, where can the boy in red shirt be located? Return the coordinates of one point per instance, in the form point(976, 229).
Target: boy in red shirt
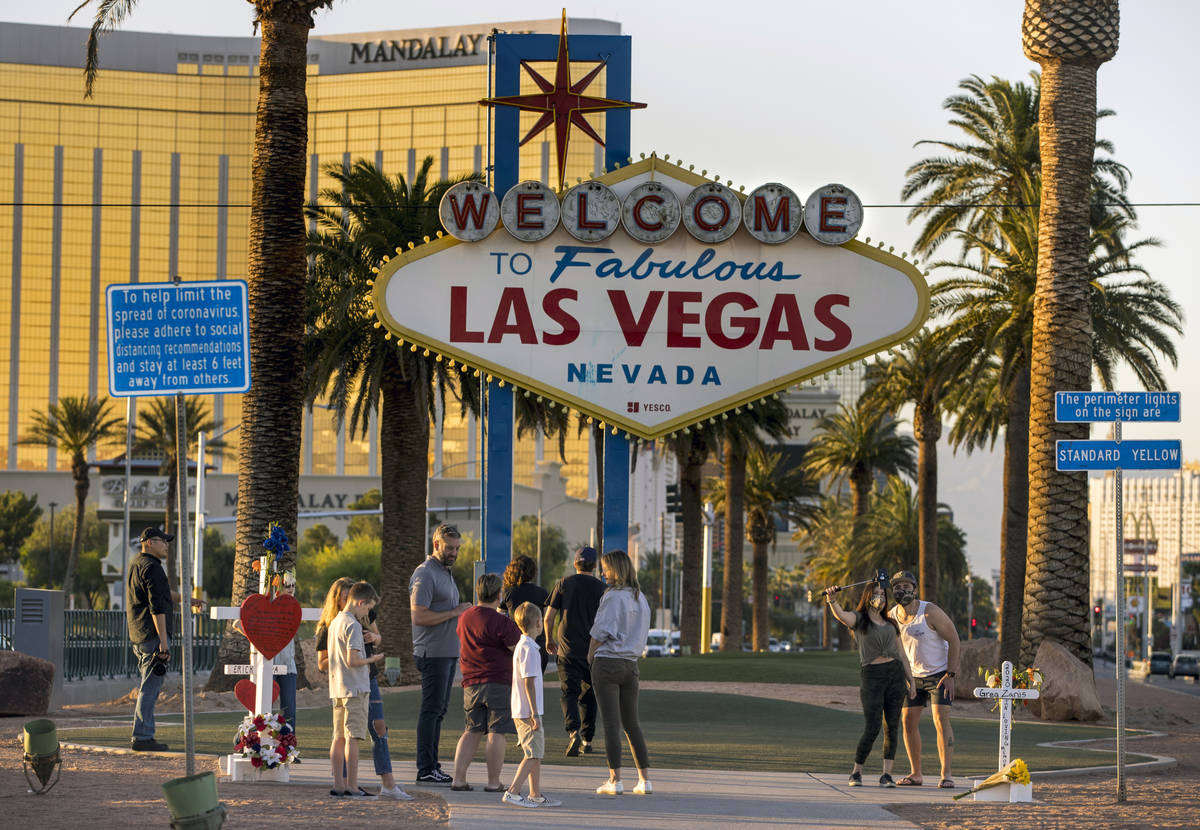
point(486, 638)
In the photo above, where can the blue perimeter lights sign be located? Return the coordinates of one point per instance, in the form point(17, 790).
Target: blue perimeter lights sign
point(187, 337)
point(1077, 407)
point(1114, 455)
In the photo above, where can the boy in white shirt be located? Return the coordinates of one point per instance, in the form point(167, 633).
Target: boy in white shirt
point(526, 705)
point(349, 689)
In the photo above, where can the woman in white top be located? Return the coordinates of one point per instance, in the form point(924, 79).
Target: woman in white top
point(618, 640)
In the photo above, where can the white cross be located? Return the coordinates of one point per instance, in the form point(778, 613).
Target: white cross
point(260, 668)
point(1006, 695)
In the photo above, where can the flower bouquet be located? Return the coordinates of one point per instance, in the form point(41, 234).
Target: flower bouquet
point(267, 741)
point(1015, 773)
point(1030, 678)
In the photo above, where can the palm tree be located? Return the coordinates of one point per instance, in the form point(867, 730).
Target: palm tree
point(858, 444)
point(1069, 41)
point(771, 491)
point(923, 372)
point(692, 448)
point(75, 425)
point(156, 435)
point(741, 430)
point(273, 408)
point(367, 215)
point(833, 555)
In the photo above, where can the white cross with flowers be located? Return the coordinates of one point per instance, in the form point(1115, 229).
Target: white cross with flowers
point(1006, 694)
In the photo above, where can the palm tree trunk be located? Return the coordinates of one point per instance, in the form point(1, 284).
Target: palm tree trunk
point(404, 453)
point(731, 589)
point(79, 474)
point(272, 409)
point(1056, 585)
point(1014, 530)
point(761, 629)
point(693, 542)
point(860, 486)
point(927, 426)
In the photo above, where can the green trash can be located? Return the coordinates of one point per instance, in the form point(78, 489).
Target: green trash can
point(41, 738)
point(192, 795)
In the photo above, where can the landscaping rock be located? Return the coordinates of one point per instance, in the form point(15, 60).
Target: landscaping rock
point(1068, 686)
point(972, 656)
point(26, 683)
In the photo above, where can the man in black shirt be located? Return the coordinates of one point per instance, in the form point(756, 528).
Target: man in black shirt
point(576, 597)
point(149, 606)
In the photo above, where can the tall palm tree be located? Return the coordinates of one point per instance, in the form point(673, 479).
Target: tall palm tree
point(75, 425)
point(741, 430)
point(923, 372)
point(856, 445)
point(365, 217)
point(833, 555)
point(273, 407)
point(156, 435)
point(771, 491)
point(1069, 40)
point(692, 448)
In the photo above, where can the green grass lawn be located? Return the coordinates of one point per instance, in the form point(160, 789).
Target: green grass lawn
point(683, 730)
point(821, 668)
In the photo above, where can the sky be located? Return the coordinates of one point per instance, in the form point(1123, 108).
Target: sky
point(807, 92)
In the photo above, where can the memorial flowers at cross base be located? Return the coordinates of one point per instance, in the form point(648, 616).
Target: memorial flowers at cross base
point(1017, 772)
point(266, 740)
point(1030, 678)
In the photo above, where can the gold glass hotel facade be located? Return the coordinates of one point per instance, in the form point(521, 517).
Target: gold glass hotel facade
point(150, 178)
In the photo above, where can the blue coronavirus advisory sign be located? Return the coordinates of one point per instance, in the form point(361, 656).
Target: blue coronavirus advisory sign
point(1124, 455)
point(1087, 407)
point(189, 337)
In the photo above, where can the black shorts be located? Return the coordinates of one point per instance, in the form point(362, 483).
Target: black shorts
point(927, 687)
point(487, 708)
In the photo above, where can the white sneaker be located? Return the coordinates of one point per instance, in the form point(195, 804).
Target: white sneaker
point(516, 800)
point(543, 801)
point(611, 788)
point(643, 788)
point(397, 792)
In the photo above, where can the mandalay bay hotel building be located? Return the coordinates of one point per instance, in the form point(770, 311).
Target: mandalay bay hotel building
point(151, 178)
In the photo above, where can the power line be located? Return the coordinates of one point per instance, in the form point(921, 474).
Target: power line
point(434, 207)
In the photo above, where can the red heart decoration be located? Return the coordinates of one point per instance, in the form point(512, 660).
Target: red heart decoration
point(245, 690)
point(270, 624)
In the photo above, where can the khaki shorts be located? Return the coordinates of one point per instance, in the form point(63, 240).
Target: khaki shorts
point(531, 737)
point(350, 717)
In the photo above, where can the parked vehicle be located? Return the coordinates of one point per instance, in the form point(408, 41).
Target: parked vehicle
point(773, 645)
point(1160, 662)
point(1186, 663)
point(675, 650)
point(658, 643)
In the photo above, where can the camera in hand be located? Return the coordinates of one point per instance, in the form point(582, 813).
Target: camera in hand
point(158, 664)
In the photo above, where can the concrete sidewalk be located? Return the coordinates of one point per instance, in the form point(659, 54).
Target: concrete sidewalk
point(682, 800)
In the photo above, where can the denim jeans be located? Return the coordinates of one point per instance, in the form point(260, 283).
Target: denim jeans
point(437, 678)
point(287, 698)
point(379, 743)
point(149, 685)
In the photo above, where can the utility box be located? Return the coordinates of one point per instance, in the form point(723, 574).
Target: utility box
point(38, 630)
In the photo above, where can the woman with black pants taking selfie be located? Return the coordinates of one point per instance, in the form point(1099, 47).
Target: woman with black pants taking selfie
point(885, 673)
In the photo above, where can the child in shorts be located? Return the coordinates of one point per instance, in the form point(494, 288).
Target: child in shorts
point(526, 705)
point(349, 689)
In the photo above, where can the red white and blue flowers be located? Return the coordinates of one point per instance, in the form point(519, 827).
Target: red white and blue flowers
point(267, 741)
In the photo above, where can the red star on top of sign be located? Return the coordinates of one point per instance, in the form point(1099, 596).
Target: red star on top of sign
point(561, 103)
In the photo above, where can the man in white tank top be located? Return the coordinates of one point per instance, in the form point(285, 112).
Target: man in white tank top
point(930, 642)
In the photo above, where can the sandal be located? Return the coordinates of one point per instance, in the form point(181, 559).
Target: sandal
point(907, 781)
point(500, 789)
point(946, 784)
point(461, 788)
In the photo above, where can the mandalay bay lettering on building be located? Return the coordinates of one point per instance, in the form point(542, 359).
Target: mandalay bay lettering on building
point(650, 297)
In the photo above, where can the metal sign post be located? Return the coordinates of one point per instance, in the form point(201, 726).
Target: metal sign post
point(1115, 455)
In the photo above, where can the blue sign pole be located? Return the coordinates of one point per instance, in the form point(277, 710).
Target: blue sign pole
point(510, 51)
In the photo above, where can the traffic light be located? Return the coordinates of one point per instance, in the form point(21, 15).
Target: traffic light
point(674, 503)
point(974, 625)
point(1096, 610)
point(777, 600)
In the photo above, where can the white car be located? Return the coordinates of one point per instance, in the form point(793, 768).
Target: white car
point(658, 643)
point(774, 646)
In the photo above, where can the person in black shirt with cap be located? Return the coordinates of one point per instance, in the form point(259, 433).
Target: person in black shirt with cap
point(149, 606)
point(576, 597)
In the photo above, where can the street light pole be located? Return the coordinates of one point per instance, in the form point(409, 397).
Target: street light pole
point(53, 505)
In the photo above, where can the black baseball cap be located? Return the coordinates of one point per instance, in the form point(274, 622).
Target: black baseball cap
point(904, 576)
point(153, 533)
point(585, 556)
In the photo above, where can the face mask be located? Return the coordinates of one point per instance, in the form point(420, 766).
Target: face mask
point(878, 602)
point(904, 597)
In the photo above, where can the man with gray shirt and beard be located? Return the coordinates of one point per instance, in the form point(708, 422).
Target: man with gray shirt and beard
point(435, 608)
